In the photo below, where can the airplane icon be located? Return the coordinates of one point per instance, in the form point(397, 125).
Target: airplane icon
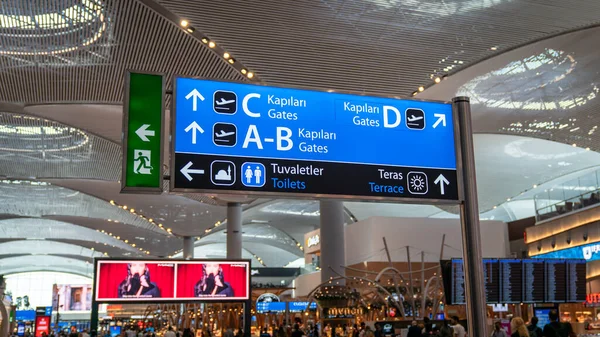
point(222, 133)
point(225, 102)
point(415, 119)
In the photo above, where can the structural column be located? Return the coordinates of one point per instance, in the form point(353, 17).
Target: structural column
point(188, 247)
point(234, 231)
point(333, 252)
point(469, 215)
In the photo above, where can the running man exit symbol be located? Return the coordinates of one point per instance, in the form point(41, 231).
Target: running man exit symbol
point(253, 174)
point(141, 163)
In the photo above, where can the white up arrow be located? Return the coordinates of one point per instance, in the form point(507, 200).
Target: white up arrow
point(194, 94)
point(441, 180)
point(186, 170)
point(441, 118)
point(194, 127)
point(144, 133)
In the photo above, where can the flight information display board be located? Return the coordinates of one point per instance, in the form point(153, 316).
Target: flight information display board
point(534, 281)
point(576, 286)
point(491, 274)
point(262, 140)
point(511, 271)
point(520, 281)
point(458, 294)
point(556, 281)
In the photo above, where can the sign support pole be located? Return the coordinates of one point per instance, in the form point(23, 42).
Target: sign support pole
point(469, 215)
point(247, 316)
point(94, 319)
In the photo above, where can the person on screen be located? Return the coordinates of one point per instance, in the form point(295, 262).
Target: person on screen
point(212, 282)
point(137, 283)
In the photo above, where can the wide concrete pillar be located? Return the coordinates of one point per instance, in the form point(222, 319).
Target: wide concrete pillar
point(234, 230)
point(188, 247)
point(333, 253)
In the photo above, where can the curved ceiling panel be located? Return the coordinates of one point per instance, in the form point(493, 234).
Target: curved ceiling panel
point(293, 217)
point(54, 63)
point(43, 229)
point(37, 147)
point(45, 199)
point(262, 234)
point(40, 247)
point(184, 216)
point(219, 251)
point(388, 47)
point(42, 262)
point(547, 90)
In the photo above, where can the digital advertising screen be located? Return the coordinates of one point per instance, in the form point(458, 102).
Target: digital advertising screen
point(135, 280)
point(213, 280)
point(115, 331)
point(42, 324)
point(74, 297)
point(171, 280)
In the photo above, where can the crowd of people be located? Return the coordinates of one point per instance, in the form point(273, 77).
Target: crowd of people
point(519, 329)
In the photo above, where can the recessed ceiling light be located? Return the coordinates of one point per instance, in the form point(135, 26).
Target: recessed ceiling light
point(437, 80)
point(184, 23)
point(226, 55)
point(494, 48)
point(211, 44)
point(250, 75)
point(421, 89)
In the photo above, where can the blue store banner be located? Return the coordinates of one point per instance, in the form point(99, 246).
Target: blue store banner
point(589, 252)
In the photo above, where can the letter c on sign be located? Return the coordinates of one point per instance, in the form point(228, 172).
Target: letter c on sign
point(245, 105)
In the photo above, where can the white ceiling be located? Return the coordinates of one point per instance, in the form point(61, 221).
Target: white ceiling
point(380, 46)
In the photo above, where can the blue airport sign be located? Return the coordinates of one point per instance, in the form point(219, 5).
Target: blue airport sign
point(253, 139)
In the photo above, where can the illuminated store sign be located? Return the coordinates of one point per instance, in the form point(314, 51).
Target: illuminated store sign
point(589, 252)
point(313, 241)
point(592, 298)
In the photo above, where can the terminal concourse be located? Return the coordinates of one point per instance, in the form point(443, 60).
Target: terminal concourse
point(355, 168)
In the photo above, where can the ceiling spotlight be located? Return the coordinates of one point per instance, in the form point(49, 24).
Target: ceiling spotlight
point(244, 71)
point(204, 40)
point(494, 48)
point(232, 61)
point(183, 23)
point(587, 148)
point(414, 93)
point(211, 44)
point(226, 55)
point(250, 75)
point(534, 186)
point(191, 29)
point(437, 80)
point(574, 145)
point(421, 89)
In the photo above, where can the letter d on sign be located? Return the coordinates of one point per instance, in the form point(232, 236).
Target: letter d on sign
point(386, 119)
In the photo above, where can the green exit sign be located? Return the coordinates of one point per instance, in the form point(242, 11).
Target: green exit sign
point(143, 118)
